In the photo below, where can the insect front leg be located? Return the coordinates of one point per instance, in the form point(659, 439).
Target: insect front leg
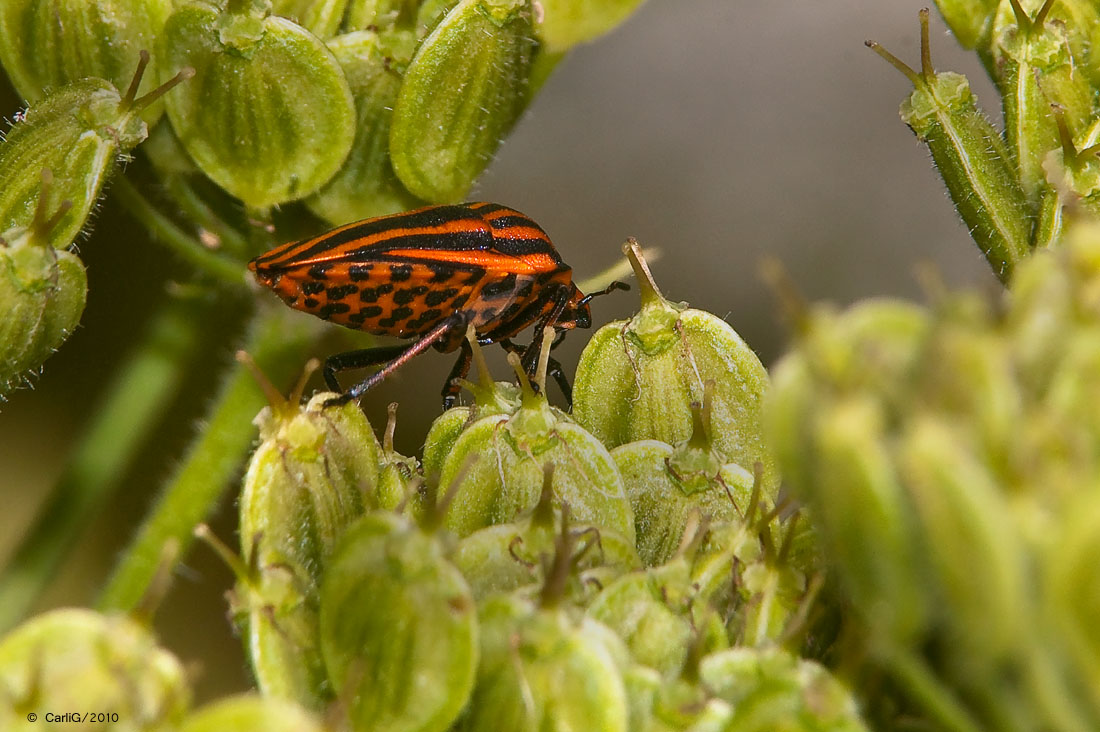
point(553, 367)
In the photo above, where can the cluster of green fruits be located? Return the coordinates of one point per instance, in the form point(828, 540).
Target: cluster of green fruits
point(330, 110)
point(616, 568)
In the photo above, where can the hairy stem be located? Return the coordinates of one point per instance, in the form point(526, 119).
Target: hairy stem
point(277, 342)
point(132, 405)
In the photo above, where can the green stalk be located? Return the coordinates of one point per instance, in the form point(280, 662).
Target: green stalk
point(277, 341)
point(129, 409)
point(925, 688)
point(183, 244)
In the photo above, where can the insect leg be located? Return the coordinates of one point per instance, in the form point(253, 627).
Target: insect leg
point(459, 371)
point(360, 359)
point(553, 366)
point(458, 320)
point(560, 298)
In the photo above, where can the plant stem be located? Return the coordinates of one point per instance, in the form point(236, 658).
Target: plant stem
point(277, 341)
point(183, 244)
point(233, 243)
point(120, 424)
point(922, 685)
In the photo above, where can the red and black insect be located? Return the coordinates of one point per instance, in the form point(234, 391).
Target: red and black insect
point(428, 274)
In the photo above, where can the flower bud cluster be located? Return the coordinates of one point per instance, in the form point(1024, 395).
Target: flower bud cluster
point(1013, 189)
point(949, 457)
point(84, 669)
point(524, 576)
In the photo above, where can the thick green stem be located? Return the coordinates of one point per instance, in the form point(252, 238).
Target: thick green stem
point(277, 341)
point(184, 245)
point(120, 425)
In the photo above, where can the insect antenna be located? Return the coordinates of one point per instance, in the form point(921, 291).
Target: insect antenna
point(616, 285)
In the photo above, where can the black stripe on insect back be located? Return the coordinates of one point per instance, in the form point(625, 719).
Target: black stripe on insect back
point(394, 226)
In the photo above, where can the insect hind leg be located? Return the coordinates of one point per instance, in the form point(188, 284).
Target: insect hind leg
point(393, 358)
point(360, 359)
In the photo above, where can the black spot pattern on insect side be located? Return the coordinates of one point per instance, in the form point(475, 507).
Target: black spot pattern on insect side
point(401, 313)
point(440, 272)
point(501, 288)
point(311, 302)
point(460, 301)
point(371, 311)
point(474, 277)
point(400, 272)
point(313, 288)
point(525, 291)
point(371, 294)
point(357, 318)
point(438, 297)
point(360, 272)
point(426, 317)
point(320, 271)
point(339, 292)
point(333, 308)
point(405, 296)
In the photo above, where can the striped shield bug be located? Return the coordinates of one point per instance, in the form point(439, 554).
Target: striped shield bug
point(427, 275)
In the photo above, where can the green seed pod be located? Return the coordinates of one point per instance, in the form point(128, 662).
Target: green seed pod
point(250, 713)
point(970, 155)
point(1035, 70)
point(42, 294)
point(490, 398)
point(856, 497)
point(366, 185)
point(1074, 584)
point(541, 670)
point(399, 629)
point(974, 553)
point(859, 350)
point(654, 612)
point(759, 587)
point(322, 18)
point(463, 91)
point(642, 685)
point(387, 14)
point(269, 116)
point(76, 660)
point(48, 43)
point(306, 483)
point(78, 132)
point(510, 453)
point(429, 14)
point(667, 484)
point(502, 558)
point(638, 378)
point(771, 690)
point(565, 23)
point(1073, 173)
point(969, 20)
point(1079, 21)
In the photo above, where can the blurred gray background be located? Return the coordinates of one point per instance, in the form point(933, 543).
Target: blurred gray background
point(719, 131)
